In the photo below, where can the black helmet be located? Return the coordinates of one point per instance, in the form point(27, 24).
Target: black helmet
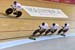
point(15, 2)
point(53, 24)
point(43, 23)
point(65, 24)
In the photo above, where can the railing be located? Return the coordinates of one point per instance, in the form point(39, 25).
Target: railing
point(62, 1)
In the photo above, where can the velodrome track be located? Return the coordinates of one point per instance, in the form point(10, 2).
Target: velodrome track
point(11, 28)
point(20, 27)
point(42, 43)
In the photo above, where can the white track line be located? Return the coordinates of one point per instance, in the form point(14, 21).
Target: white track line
point(25, 41)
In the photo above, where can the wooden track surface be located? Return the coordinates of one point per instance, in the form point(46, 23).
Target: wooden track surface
point(25, 25)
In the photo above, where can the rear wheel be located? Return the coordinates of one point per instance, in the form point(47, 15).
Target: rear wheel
point(18, 13)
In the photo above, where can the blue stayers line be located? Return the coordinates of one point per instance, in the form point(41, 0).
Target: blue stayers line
point(25, 41)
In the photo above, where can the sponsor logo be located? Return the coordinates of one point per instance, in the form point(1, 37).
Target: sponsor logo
point(44, 12)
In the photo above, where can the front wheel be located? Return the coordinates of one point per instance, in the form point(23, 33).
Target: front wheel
point(9, 11)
